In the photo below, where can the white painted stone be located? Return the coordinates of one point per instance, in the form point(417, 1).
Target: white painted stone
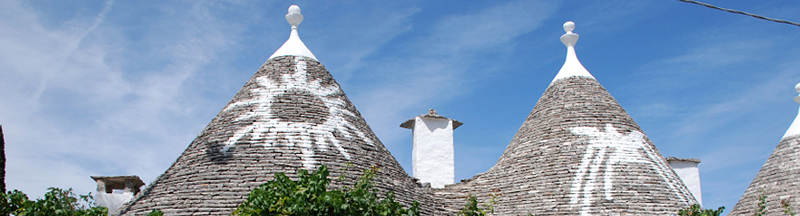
point(688, 171)
point(572, 66)
point(112, 201)
point(622, 148)
point(268, 127)
point(794, 129)
point(294, 46)
point(432, 154)
point(115, 191)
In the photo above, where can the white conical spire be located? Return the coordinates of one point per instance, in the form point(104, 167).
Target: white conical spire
point(794, 129)
point(572, 66)
point(294, 46)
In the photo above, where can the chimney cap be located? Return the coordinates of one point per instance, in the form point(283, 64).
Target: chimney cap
point(118, 182)
point(693, 160)
point(409, 124)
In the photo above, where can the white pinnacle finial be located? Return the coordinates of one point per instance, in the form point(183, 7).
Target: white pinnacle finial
point(294, 17)
point(569, 26)
point(294, 46)
point(797, 88)
point(572, 66)
point(569, 39)
point(794, 129)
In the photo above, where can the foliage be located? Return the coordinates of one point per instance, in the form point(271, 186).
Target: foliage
point(786, 208)
point(155, 212)
point(762, 205)
point(56, 202)
point(309, 195)
point(695, 210)
point(472, 209)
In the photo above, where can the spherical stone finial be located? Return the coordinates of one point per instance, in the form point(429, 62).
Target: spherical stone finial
point(797, 87)
point(569, 26)
point(797, 98)
point(294, 9)
point(294, 17)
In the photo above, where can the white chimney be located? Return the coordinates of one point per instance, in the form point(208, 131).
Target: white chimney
point(687, 170)
point(113, 191)
point(432, 154)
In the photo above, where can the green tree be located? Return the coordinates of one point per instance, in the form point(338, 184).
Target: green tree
point(56, 202)
point(309, 195)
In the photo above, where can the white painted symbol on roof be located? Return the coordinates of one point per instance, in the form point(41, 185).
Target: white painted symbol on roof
point(268, 130)
point(630, 148)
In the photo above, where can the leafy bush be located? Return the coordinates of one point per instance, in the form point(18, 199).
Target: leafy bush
point(471, 208)
point(309, 195)
point(786, 208)
point(762, 206)
point(155, 212)
point(56, 202)
point(695, 210)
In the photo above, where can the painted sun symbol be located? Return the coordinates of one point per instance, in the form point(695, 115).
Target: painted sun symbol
point(296, 103)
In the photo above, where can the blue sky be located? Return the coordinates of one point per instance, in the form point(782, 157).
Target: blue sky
point(122, 87)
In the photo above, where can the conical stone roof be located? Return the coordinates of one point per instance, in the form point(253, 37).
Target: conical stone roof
point(577, 153)
point(779, 178)
point(290, 115)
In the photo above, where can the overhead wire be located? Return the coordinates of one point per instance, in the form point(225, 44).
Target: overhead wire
point(742, 13)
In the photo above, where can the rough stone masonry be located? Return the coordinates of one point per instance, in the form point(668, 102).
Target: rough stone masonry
point(577, 153)
point(290, 115)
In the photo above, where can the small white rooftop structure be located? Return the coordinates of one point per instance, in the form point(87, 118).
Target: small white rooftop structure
point(114, 191)
point(432, 154)
point(294, 46)
point(794, 129)
point(572, 66)
point(687, 170)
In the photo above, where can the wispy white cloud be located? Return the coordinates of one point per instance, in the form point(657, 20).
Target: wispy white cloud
point(690, 72)
point(440, 65)
point(707, 102)
point(89, 116)
point(720, 54)
point(489, 29)
point(605, 17)
point(373, 27)
point(122, 87)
